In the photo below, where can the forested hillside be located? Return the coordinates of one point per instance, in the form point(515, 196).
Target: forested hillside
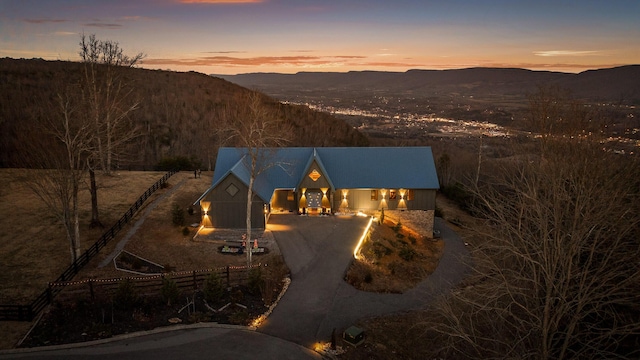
point(178, 113)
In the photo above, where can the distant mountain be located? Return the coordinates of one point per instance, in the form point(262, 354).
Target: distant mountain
point(618, 84)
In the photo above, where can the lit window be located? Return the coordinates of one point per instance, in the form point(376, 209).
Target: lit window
point(314, 175)
point(409, 195)
point(374, 195)
point(392, 194)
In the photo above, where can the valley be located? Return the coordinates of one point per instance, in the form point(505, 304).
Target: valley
point(420, 107)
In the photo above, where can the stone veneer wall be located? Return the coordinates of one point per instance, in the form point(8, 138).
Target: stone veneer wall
point(418, 220)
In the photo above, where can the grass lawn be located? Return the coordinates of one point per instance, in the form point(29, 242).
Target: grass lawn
point(33, 245)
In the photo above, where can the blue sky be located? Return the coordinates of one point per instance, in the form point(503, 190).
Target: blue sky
point(239, 36)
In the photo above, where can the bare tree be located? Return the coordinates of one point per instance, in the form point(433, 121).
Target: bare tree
point(555, 272)
point(62, 155)
point(109, 101)
point(255, 127)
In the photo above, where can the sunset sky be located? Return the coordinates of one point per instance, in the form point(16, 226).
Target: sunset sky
point(288, 36)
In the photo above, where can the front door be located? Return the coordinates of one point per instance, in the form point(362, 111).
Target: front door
point(314, 198)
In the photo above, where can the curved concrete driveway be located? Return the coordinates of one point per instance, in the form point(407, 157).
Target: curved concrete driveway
point(318, 251)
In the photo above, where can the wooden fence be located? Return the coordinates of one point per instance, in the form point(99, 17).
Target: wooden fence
point(150, 285)
point(28, 312)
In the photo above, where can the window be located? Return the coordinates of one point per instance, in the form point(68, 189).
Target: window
point(374, 195)
point(409, 195)
point(315, 175)
point(232, 190)
point(290, 195)
point(392, 195)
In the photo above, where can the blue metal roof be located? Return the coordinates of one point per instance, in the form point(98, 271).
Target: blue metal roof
point(380, 167)
point(346, 167)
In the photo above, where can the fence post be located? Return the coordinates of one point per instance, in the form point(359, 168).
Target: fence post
point(195, 284)
point(228, 278)
point(91, 289)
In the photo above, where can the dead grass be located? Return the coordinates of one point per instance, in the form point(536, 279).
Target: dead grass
point(394, 259)
point(161, 242)
point(33, 247)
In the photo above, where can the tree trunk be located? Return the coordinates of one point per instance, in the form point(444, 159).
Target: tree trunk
point(76, 222)
point(249, 205)
point(95, 216)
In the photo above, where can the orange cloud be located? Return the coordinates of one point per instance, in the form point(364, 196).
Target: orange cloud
point(103, 25)
point(234, 61)
point(277, 61)
point(566, 53)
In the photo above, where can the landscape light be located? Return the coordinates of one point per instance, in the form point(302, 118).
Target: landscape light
point(356, 251)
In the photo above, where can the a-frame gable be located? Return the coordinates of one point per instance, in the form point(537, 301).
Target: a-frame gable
point(315, 174)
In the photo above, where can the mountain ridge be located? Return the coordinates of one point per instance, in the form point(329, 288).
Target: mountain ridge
point(616, 83)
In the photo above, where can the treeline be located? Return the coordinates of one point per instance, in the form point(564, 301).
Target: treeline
point(178, 113)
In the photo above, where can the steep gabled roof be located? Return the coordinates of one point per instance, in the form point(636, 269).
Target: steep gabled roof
point(316, 157)
point(345, 167)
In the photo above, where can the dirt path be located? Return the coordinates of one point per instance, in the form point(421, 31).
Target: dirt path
point(136, 226)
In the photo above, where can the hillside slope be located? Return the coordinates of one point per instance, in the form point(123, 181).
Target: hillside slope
point(178, 111)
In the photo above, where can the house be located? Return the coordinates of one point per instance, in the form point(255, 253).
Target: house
point(322, 180)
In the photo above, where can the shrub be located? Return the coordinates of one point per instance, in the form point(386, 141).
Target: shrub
point(358, 274)
point(213, 289)
point(458, 194)
point(169, 291)
point(190, 210)
point(393, 266)
point(368, 277)
point(178, 163)
point(379, 250)
point(237, 296)
point(177, 215)
point(438, 212)
point(255, 282)
point(407, 253)
point(240, 317)
point(272, 275)
point(397, 227)
point(413, 240)
point(185, 231)
point(125, 297)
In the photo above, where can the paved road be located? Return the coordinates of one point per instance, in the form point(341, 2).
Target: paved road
point(318, 251)
point(195, 342)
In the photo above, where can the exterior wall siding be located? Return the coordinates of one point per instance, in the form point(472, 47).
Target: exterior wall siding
point(423, 199)
point(360, 199)
point(225, 209)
